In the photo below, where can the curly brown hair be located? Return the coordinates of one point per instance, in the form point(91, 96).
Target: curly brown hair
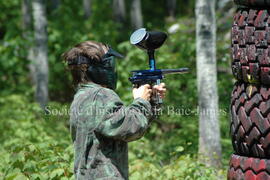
point(92, 50)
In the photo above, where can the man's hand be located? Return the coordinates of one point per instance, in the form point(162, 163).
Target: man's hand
point(161, 90)
point(144, 92)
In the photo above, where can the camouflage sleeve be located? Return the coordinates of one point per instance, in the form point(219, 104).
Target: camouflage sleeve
point(127, 123)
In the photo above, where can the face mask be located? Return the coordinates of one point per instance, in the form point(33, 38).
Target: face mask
point(105, 73)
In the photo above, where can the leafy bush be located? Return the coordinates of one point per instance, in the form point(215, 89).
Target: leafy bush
point(32, 145)
point(184, 167)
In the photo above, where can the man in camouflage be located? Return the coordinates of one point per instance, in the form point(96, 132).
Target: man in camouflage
point(100, 124)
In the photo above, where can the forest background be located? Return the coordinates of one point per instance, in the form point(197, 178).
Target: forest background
point(35, 145)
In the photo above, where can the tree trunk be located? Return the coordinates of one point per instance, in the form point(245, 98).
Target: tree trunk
point(171, 5)
point(87, 8)
point(27, 35)
point(119, 10)
point(41, 51)
point(136, 14)
point(209, 132)
point(26, 15)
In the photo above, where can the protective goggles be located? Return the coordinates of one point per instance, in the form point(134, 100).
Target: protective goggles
point(107, 57)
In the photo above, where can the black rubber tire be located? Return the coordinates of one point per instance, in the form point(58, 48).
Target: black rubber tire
point(253, 3)
point(250, 120)
point(251, 46)
point(248, 168)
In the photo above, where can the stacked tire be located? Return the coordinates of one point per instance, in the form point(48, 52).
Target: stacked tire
point(250, 103)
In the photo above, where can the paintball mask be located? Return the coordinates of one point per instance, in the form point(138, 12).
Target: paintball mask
point(103, 72)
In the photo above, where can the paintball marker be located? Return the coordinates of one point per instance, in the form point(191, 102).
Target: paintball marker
point(150, 41)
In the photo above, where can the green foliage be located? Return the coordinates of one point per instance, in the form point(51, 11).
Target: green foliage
point(184, 167)
point(12, 61)
point(33, 145)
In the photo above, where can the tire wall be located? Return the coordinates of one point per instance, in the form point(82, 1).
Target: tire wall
point(250, 99)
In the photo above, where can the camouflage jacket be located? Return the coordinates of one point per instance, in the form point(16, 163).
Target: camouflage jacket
point(100, 128)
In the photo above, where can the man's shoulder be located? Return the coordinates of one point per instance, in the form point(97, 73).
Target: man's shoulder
point(107, 94)
point(95, 92)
